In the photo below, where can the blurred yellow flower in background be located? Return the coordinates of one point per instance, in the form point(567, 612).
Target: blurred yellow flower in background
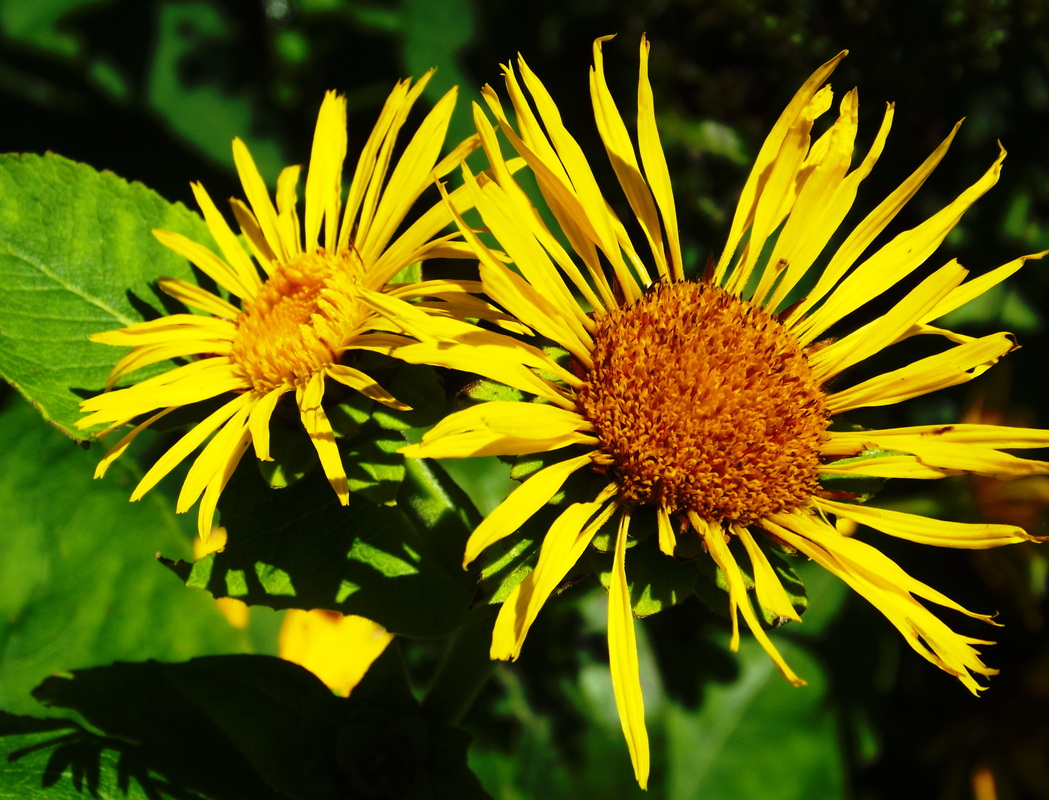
point(337, 649)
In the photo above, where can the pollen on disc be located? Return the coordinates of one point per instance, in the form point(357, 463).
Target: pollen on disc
point(703, 402)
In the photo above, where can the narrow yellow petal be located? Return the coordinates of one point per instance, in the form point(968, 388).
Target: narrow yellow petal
point(950, 368)
point(259, 198)
point(924, 530)
point(563, 545)
point(287, 208)
point(366, 385)
point(865, 233)
point(887, 466)
point(249, 226)
point(656, 164)
point(620, 150)
point(410, 178)
point(622, 658)
point(118, 449)
point(324, 176)
point(896, 260)
point(337, 649)
point(196, 297)
point(206, 261)
point(714, 539)
point(889, 589)
point(771, 594)
point(226, 240)
point(888, 328)
point(316, 423)
point(667, 537)
point(259, 422)
point(502, 428)
point(521, 504)
point(213, 458)
point(209, 502)
point(178, 452)
point(766, 159)
point(970, 290)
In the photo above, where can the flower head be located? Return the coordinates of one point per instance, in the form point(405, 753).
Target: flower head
point(294, 325)
point(708, 403)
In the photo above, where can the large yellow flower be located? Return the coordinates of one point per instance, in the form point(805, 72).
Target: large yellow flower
point(707, 402)
point(293, 326)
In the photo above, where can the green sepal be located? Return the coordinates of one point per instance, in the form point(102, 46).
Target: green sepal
point(298, 548)
point(860, 487)
point(77, 258)
point(486, 391)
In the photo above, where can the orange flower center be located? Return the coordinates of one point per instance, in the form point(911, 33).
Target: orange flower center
point(298, 322)
point(703, 402)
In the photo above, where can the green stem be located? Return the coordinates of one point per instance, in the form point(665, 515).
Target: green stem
point(464, 670)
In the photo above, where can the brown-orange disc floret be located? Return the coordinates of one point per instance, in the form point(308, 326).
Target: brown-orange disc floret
point(298, 322)
point(703, 402)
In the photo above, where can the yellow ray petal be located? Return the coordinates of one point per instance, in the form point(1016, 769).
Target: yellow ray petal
point(887, 466)
point(324, 176)
point(563, 545)
point(865, 233)
point(767, 158)
point(366, 385)
point(249, 226)
point(144, 355)
point(622, 658)
point(259, 198)
point(502, 428)
point(655, 163)
point(118, 449)
point(212, 459)
point(412, 175)
point(259, 422)
point(897, 259)
point(667, 537)
point(714, 539)
point(970, 290)
point(188, 443)
point(206, 261)
point(999, 437)
point(209, 502)
point(888, 589)
point(337, 649)
point(196, 297)
point(888, 328)
point(620, 150)
point(924, 530)
point(519, 507)
point(287, 211)
point(771, 594)
point(316, 423)
point(226, 240)
point(958, 365)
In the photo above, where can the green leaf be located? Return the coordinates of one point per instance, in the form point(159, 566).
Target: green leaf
point(79, 584)
point(76, 257)
point(298, 548)
point(757, 736)
point(259, 727)
point(59, 760)
point(204, 112)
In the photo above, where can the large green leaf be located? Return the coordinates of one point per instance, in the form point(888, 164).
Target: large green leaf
point(258, 727)
point(79, 584)
point(298, 548)
point(76, 257)
point(60, 760)
point(758, 736)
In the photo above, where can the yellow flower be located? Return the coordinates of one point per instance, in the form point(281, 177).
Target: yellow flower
point(337, 649)
point(295, 325)
point(708, 402)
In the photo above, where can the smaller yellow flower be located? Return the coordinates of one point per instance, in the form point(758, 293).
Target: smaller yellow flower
point(296, 325)
point(337, 649)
